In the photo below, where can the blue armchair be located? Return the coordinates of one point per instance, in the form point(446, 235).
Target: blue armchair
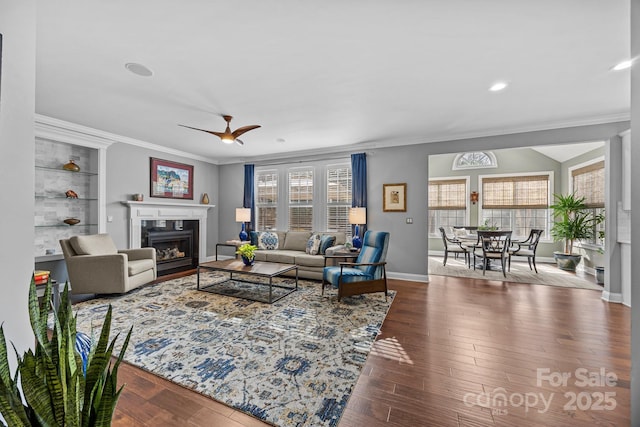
point(367, 274)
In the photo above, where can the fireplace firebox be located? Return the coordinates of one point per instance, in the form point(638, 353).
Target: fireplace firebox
point(175, 243)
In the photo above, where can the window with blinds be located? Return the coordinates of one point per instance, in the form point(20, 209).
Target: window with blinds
point(588, 182)
point(515, 192)
point(447, 204)
point(516, 203)
point(301, 199)
point(448, 194)
point(266, 199)
point(339, 184)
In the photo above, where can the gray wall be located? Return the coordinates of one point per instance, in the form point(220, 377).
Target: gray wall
point(128, 173)
point(516, 160)
point(17, 142)
point(231, 196)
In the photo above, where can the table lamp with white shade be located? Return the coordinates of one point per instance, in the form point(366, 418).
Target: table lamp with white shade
point(357, 216)
point(243, 215)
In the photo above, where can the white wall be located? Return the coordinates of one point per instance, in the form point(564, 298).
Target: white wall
point(17, 112)
point(635, 207)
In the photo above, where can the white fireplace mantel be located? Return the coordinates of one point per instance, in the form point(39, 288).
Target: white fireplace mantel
point(153, 210)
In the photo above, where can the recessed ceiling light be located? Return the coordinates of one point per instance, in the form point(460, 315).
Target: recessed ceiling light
point(623, 65)
point(138, 69)
point(498, 86)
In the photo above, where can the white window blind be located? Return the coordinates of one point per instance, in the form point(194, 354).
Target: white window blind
point(301, 199)
point(339, 187)
point(448, 194)
point(515, 192)
point(588, 182)
point(267, 199)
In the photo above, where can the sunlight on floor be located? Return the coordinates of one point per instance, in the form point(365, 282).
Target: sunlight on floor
point(391, 349)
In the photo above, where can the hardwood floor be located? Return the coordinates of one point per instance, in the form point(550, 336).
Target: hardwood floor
point(446, 350)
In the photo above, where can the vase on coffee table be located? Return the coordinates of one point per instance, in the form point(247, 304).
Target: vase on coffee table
point(247, 261)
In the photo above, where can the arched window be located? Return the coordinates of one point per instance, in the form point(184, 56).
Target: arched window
point(475, 160)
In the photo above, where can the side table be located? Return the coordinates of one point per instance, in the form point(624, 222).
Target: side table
point(55, 293)
point(235, 244)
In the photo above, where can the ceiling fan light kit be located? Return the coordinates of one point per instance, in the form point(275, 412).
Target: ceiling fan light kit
point(228, 137)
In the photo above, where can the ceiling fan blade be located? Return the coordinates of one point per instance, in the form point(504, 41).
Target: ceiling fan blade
point(243, 129)
point(218, 134)
point(239, 142)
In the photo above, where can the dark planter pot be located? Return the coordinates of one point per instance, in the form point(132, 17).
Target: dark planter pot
point(567, 262)
point(600, 275)
point(247, 261)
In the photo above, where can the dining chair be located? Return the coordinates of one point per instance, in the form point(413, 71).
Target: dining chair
point(526, 248)
point(453, 246)
point(494, 245)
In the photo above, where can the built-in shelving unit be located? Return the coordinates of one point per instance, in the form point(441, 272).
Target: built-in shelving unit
point(55, 146)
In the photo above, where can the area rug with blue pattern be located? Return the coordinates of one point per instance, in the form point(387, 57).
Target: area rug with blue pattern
point(293, 362)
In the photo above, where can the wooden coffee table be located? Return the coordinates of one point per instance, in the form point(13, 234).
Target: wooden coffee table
point(266, 270)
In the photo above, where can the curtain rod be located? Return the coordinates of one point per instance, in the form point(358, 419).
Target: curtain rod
point(315, 159)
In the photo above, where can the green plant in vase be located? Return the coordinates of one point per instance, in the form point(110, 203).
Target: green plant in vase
point(247, 252)
point(573, 220)
point(55, 387)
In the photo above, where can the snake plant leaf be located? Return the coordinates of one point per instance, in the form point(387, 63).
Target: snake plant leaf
point(36, 391)
point(11, 406)
point(38, 322)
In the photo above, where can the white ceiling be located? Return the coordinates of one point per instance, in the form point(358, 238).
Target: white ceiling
point(323, 75)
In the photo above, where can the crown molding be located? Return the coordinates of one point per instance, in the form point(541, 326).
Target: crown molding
point(73, 133)
point(396, 142)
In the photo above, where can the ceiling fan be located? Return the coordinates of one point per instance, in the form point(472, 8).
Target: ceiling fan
point(227, 136)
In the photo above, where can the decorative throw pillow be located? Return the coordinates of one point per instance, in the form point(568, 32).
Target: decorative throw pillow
point(267, 240)
point(253, 238)
point(326, 241)
point(313, 245)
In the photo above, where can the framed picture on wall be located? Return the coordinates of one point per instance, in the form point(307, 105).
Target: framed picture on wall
point(394, 197)
point(171, 179)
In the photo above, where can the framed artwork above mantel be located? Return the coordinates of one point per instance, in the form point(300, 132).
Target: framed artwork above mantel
point(171, 180)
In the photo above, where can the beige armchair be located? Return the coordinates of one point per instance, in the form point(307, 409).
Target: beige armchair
point(96, 266)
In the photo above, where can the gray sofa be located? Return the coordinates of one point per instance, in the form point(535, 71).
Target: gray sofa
point(291, 250)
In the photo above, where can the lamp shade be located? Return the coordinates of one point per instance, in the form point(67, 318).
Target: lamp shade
point(243, 214)
point(357, 215)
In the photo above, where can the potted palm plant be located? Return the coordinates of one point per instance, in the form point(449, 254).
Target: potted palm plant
point(572, 221)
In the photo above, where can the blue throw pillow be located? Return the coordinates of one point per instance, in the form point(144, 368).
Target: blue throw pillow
point(267, 240)
point(326, 241)
point(253, 237)
point(313, 245)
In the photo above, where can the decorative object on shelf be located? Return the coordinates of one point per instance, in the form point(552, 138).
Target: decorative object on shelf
point(247, 252)
point(77, 376)
point(138, 197)
point(71, 194)
point(50, 251)
point(394, 197)
point(243, 215)
point(205, 199)
point(172, 180)
point(71, 166)
point(357, 216)
point(71, 221)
